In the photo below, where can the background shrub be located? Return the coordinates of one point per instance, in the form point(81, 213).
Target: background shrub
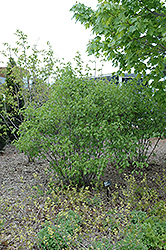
point(3, 134)
point(26, 81)
point(11, 103)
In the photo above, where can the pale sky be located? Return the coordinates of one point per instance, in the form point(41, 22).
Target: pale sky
point(46, 21)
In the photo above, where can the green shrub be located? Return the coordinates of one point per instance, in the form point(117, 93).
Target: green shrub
point(154, 233)
point(50, 238)
point(87, 124)
point(3, 134)
point(60, 235)
point(141, 232)
point(152, 229)
point(71, 129)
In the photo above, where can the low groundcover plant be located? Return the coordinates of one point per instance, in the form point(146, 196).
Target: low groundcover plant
point(108, 225)
point(82, 218)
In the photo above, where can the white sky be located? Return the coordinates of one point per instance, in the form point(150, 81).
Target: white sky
point(46, 21)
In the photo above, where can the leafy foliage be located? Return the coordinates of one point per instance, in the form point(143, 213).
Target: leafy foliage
point(87, 124)
point(131, 34)
point(70, 130)
point(27, 81)
point(59, 236)
point(3, 134)
point(11, 103)
point(150, 231)
point(144, 234)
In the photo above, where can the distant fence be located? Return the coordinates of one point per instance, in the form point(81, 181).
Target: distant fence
point(118, 79)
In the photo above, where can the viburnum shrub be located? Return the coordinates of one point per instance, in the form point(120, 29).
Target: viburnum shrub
point(88, 123)
point(72, 128)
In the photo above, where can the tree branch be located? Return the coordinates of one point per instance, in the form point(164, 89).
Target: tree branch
point(155, 13)
point(162, 46)
point(152, 12)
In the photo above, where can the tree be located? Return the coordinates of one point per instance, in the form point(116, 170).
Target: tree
point(11, 102)
point(27, 74)
point(34, 67)
point(130, 33)
point(13, 89)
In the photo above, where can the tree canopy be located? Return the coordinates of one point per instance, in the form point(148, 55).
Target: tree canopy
point(130, 33)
